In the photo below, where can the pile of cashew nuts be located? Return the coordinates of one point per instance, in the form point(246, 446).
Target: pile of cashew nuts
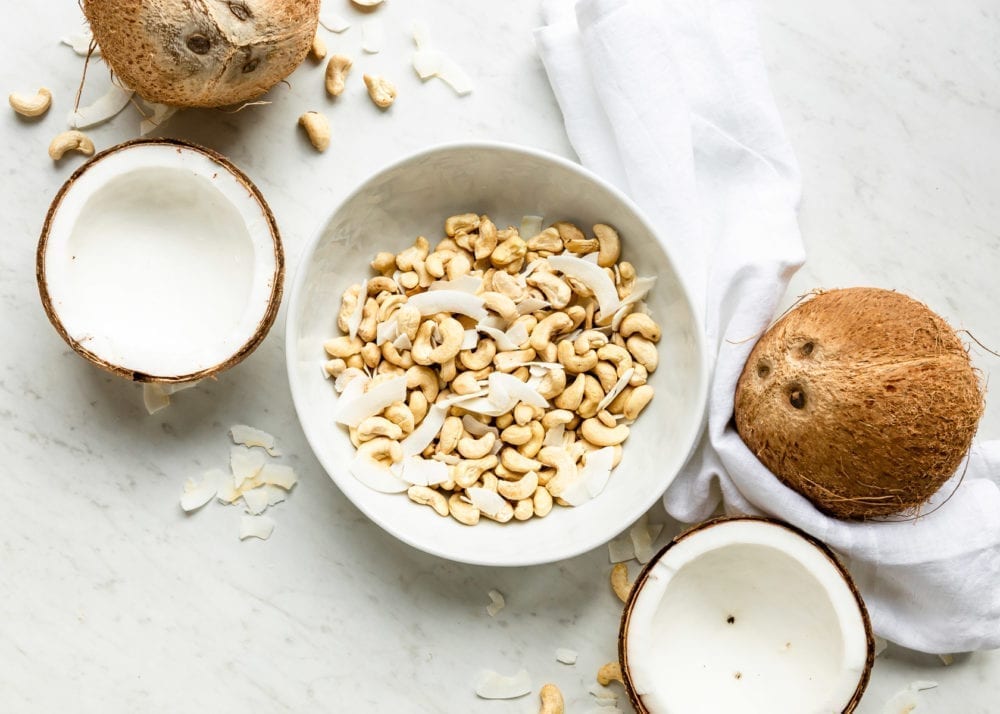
point(514, 454)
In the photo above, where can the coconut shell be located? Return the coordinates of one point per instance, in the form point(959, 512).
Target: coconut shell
point(863, 400)
point(202, 53)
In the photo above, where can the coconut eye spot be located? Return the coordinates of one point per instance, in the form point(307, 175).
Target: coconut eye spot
point(807, 349)
point(763, 370)
point(240, 10)
point(199, 44)
point(796, 396)
point(250, 66)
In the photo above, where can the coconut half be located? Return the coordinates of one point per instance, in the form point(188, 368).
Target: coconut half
point(160, 261)
point(748, 615)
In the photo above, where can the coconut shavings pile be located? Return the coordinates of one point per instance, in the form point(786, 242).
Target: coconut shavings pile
point(253, 481)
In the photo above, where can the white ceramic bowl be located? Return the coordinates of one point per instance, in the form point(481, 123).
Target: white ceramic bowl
point(413, 197)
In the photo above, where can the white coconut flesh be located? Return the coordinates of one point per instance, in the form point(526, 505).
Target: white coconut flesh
point(159, 262)
point(745, 615)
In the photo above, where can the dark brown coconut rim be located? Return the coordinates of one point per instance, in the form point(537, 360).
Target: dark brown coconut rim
point(822, 547)
point(277, 285)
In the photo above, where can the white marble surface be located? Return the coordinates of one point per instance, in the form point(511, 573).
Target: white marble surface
point(113, 600)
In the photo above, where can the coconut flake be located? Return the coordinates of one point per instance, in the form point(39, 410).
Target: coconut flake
point(621, 549)
point(880, 645)
point(602, 693)
point(503, 341)
point(531, 226)
point(518, 334)
point(227, 492)
point(508, 387)
point(497, 603)
point(476, 427)
point(255, 500)
point(108, 106)
point(161, 114)
point(372, 36)
point(402, 342)
point(80, 42)
point(906, 700)
point(427, 63)
point(197, 493)
point(566, 655)
point(597, 469)
point(423, 472)
point(451, 301)
point(245, 464)
point(334, 22)
point(352, 412)
point(275, 495)
point(491, 685)
point(530, 305)
point(154, 397)
point(377, 476)
point(434, 63)
point(249, 436)
point(463, 284)
point(354, 319)
point(576, 493)
point(348, 377)
point(279, 475)
point(421, 437)
point(470, 340)
point(256, 527)
point(488, 502)
point(554, 436)
point(591, 275)
point(643, 535)
point(386, 331)
point(616, 390)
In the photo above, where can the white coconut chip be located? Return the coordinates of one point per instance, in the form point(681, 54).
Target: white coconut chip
point(906, 700)
point(566, 655)
point(161, 114)
point(616, 390)
point(347, 377)
point(530, 305)
point(476, 427)
point(518, 334)
point(352, 412)
point(421, 437)
point(279, 475)
point(255, 500)
point(377, 476)
point(333, 21)
point(597, 468)
point(423, 472)
point(451, 301)
point(249, 436)
point(643, 536)
point(554, 436)
point(275, 495)
point(602, 694)
point(372, 36)
point(354, 319)
point(621, 549)
point(591, 275)
point(227, 492)
point(402, 342)
point(80, 42)
point(386, 331)
point(488, 502)
point(531, 226)
point(880, 645)
point(491, 685)
point(497, 603)
point(421, 34)
point(256, 527)
point(245, 464)
point(463, 284)
point(507, 387)
point(471, 340)
point(427, 63)
point(502, 339)
point(154, 397)
point(108, 106)
point(197, 493)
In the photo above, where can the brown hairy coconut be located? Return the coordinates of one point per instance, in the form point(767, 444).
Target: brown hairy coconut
point(862, 400)
point(202, 53)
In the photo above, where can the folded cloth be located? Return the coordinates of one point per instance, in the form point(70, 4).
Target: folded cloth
point(669, 100)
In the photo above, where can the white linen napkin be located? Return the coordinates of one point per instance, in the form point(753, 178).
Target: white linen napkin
point(669, 100)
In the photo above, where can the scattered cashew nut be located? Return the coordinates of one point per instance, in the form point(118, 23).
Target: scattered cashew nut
point(619, 581)
point(336, 74)
point(71, 141)
point(552, 700)
point(31, 105)
point(317, 128)
point(381, 90)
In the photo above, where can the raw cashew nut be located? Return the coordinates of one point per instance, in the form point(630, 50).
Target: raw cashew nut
point(554, 324)
point(381, 90)
point(486, 243)
point(348, 302)
point(552, 383)
point(568, 231)
point(400, 414)
point(31, 105)
point(317, 128)
point(371, 354)
point(565, 466)
point(519, 490)
point(369, 320)
point(506, 284)
point(515, 461)
point(511, 361)
point(590, 340)
point(643, 351)
point(389, 305)
point(592, 396)
point(450, 434)
point(458, 266)
point(501, 305)
point(343, 346)
point(465, 383)
point(452, 334)
point(626, 279)
point(542, 501)
point(472, 448)
point(534, 444)
point(557, 417)
point(479, 358)
point(426, 496)
point(555, 289)
point(573, 362)
point(606, 375)
point(637, 401)
point(611, 672)
point(619, 581)
point(462, 223)
point(548, 240)
point(403, 360)
point(318, 48)
point(610, 245)
point(571, 397)
point(70, 141)
point(617, 356)
point(336, 74)
point(639, 375)
point(408, 321)
point(466, 473)
point(641, 323)
point(382, 283)
point(384, 263)
point(381, 449)
point(552, 700)
point(464, 513)
point(508, 252)
point(600, 435)
point(436, 262)
point(524, 510)
point(419, 405)
point(516, 435)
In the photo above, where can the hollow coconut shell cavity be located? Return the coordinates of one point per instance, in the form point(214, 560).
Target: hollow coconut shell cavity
point(202, 53)
point(160, 261)
point(745, 615)
point(863, 400)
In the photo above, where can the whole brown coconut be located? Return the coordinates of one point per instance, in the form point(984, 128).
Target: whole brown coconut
point(862, 400)
point(202, 53)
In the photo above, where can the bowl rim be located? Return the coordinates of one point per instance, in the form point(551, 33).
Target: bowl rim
point(291, 325)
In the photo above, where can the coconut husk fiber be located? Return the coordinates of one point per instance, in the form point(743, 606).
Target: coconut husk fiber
point(863, 400)
point(202, 53)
